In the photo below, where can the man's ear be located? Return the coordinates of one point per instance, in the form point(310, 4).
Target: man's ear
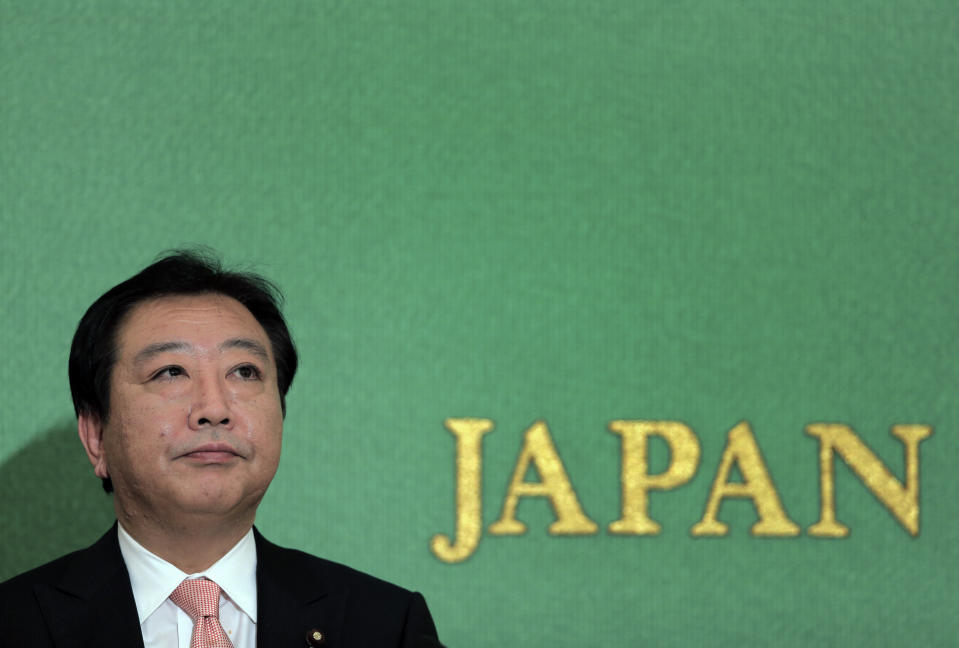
point(91, 436)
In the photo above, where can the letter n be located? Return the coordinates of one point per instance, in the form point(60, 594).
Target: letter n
point(902, 501)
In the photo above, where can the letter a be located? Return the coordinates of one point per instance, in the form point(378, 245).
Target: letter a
point(538, 449)
point(757, 485)
point(469, 490)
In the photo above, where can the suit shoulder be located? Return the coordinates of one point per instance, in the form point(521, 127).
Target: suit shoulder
point(47, 573)
point(82, 566)
point(21, 619)
point(338, 574)
point(372, 611)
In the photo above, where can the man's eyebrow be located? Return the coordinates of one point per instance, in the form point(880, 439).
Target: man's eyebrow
point(157, 348)
point(246, 344)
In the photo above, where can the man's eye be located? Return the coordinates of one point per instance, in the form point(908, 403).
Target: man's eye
point(248, 372)
point(169, 372)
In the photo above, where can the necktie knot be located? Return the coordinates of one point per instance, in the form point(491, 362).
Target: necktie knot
point(198, 597)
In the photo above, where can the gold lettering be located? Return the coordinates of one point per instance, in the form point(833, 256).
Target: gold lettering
point(903, 503)
point(538, 449)
point(635, 480)
point(469, 490)
point(741, 448)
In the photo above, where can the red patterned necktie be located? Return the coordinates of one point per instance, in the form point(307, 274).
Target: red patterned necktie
point(200, 599)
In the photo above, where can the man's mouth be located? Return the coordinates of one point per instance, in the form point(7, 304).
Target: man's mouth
point(211, 453)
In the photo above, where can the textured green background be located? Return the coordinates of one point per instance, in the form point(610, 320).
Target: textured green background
point(702, 211)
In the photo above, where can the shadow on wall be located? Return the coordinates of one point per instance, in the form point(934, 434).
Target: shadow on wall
point(51, 501)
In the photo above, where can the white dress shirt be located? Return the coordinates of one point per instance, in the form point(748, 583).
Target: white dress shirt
point(163, 624)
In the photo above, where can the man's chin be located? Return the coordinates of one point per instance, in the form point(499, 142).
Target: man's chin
point(221, 502)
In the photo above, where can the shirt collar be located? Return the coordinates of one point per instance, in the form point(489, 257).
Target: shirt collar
point(153, 579)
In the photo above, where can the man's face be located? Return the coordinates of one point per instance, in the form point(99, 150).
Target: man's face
point(195, 422)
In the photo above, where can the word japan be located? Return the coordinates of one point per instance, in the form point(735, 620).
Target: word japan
point(538, 450)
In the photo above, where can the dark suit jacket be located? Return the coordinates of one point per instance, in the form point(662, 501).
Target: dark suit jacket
point(85, 599)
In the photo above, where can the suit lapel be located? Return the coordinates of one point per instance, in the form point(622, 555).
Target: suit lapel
point(92, 604)
point(292, 600)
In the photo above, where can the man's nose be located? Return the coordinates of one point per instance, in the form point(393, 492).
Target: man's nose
point(211, 403)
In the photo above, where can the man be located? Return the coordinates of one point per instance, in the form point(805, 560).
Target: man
point(179, 377)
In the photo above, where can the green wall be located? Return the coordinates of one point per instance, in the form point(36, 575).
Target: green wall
point(578, 212)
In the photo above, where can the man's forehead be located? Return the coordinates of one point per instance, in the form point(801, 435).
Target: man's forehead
point(190, 320)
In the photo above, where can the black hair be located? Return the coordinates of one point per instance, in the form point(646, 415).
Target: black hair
point(177, 272)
